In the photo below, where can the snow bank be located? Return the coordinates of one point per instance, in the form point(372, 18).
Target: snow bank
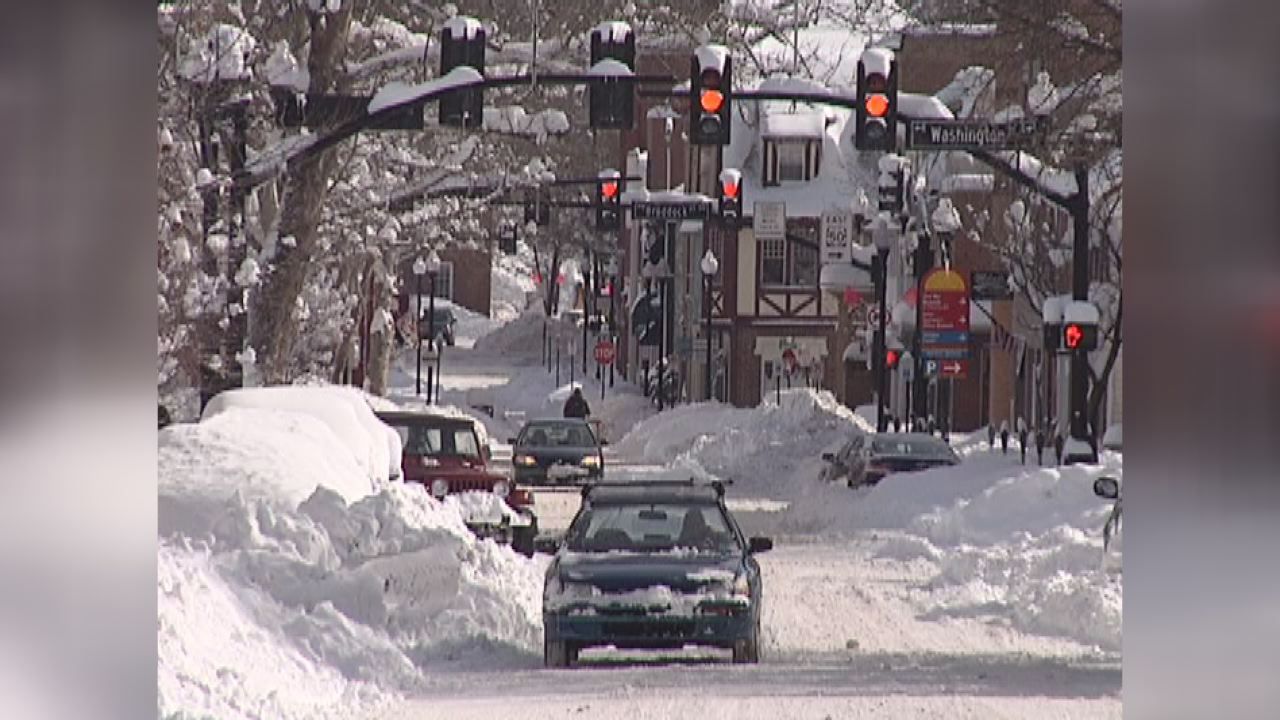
point(287, 590)
point(1027, 547)
point(343, 409)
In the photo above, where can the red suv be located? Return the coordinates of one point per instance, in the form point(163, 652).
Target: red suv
point(444, 453)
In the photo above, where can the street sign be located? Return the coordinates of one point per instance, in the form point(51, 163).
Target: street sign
point(605, 352)
point(945, 310)
point(670, 210)
point(953, 368)
point(931, 368)
point(989, 285)
point(769, 220)
point(973, 134)
point(837, 236)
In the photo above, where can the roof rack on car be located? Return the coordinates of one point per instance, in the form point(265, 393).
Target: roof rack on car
point(719, 485)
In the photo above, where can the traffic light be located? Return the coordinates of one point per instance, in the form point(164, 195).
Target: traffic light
point(1079, 336)
point(730, 197)
point(891, 358)
point(710, 95)
point(609, 201)
point(876, 109)
point(611, 102)
point(462, 43)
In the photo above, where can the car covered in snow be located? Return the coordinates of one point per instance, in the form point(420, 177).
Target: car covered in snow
point(866, 459)
point(446, 455)
point(551, 451)
point(652, 564)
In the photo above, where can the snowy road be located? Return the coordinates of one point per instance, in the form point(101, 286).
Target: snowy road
point(844, 639)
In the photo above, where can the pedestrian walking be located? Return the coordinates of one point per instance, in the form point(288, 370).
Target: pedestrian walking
point(1004, 436)
point(897, 424)
point(1022, 439)
point(576, 406)
point(991, 436)
point(1040, 445)
point(1058, 443)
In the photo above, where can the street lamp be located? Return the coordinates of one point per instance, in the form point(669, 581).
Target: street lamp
point(883, 239)
point(710, 265)
point(419, 269)
point(432, 266)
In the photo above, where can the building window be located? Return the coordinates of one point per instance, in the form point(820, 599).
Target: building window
point(791, 161)
point(804, 264)
point(773, 261)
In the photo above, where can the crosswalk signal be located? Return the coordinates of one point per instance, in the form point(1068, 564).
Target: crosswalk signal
point(711, 93)
point(1079, 336)
point(891, 358)
point(730, 197)
point(462, 43)
point(609, 201)
point(876, 108)
point(611, 102)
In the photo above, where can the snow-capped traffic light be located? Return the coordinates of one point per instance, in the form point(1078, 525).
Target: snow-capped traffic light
point(462, 43)
point(711, 95)
point(611, 102)
point(609, 200)
point(1079, 336)
point(876, 108)
point(730, 197)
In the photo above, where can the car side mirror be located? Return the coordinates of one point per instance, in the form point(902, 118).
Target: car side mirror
point(828, 457)
point(547, 544)
point(759, 544)
point(1106, 487)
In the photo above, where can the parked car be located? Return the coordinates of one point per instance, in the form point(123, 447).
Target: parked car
point(652, 564)
point(446, 455)
point(866, 459)
point(557, 450)
point(445, 321)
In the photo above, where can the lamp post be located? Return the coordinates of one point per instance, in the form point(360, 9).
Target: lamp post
point(710, 265)
point(432, 266)
point(882, 237)
point(419, 269)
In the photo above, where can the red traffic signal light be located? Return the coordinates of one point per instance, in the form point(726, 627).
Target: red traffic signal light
point(729, 189)
point(891, 358)
point(1072, 336)
point(711, 101)
point(877, 105)
point(609, 190)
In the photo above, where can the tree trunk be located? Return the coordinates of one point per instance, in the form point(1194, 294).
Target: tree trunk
point(275, 324)
point(1099, 389)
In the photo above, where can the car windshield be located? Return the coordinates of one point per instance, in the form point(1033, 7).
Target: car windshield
point(651, 528)
point(927, 448)
point(436, 441)
point(557, 435)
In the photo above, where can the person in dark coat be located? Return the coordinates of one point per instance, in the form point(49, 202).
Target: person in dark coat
point(991, 436)
point(576, 406)
point(1004, 436)
point(1040, 445)
point(1022, 439)
point(1059, 443)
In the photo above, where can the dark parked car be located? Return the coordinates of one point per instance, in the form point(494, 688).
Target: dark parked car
point(652, 564)
point(446, 323)
point(444, 453)
point(866, 459)
point(556, 451)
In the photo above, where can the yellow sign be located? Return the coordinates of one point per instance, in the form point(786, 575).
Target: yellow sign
point(943, 280)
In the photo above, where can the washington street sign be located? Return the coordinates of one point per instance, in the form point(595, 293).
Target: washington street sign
point(972, 134)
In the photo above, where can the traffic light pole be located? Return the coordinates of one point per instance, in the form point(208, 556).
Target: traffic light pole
point(882, 369)
point(1080, 292)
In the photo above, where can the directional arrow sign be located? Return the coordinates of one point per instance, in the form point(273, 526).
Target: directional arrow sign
point(954, 368)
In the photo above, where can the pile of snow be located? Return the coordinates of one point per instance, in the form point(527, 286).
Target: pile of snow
point(744, 444)
point(1027, 546)
point(374, 445)
point(289, 588)
point(521, 339)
